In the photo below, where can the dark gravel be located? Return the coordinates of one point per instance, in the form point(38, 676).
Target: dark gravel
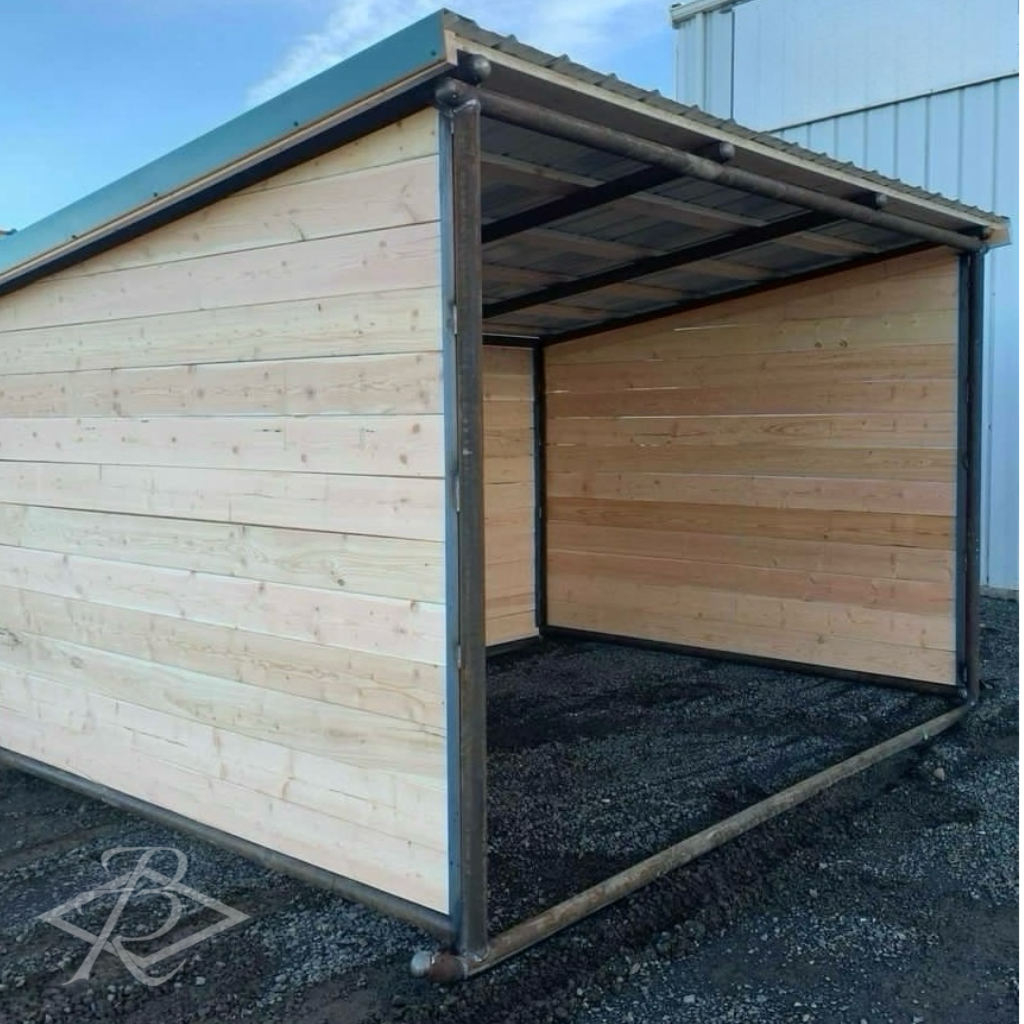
point(892, 898)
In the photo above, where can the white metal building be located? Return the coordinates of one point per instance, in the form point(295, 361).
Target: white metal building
point(923, 90)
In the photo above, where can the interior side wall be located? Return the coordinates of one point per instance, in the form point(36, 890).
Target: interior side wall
point(222, 516)
point(509, 494)
point(772, 476)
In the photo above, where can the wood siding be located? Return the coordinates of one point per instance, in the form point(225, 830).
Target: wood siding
point(509, 494)
point(222, 516)
point(773, 476)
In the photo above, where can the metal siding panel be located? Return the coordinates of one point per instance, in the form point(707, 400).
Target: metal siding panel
point(822, 136)
point(805, 60)
point(880, 140)
point(1000, 469)
point(718, 63)
point(704, 47)
point(850, 138)
point(943, 173)
point(911, 151)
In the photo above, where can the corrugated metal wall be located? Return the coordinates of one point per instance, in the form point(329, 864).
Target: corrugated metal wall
point(770, 72)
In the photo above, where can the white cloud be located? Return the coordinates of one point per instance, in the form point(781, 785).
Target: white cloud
point(590, 31)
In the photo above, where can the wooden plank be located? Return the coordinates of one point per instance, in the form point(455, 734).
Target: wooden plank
point(506, 628)
point(779, 492)
point(935, 464)
point(753, 333)
point(890, 430)
point(510, 442)
point(393, 804)
point(510, 577)
point(413, 137)
point(910, 596)
point(908, 285)
point(785, 615)
point(763, 399)
point(403, 320)
point(759, 370)
point(373, 199)
point(808, 648)
point(880, 528)
point(867, 560)
point(504, 361)
point(410, 508)
point(412, 872)
point(375, 261)
point(383, 566)
point(342, 386)
point(508, 469)
point(509, 494)
point(376, 683)
point(389, 446)
point(503, 497)
point(344, 735)
point(409, 629)
point(502, 417)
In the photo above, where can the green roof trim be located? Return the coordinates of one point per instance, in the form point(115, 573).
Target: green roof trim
point(413, 50)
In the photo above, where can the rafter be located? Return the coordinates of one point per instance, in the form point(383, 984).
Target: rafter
point(738, 240)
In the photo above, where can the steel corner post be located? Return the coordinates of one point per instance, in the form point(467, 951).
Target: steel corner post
point(459, 122)
point(970, 293)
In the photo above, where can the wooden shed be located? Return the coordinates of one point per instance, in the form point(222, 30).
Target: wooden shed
point(456, 345)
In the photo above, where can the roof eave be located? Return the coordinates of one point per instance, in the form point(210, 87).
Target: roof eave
point(995, 228)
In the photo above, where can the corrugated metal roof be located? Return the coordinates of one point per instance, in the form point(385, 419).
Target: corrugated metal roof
point(697, 118)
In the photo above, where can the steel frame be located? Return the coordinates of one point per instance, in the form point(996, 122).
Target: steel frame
point(470, 955)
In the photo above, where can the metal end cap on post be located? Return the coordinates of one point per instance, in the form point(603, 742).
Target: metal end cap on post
point(439, 966)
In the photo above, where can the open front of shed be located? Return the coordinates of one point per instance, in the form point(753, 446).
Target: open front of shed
point(455, 347)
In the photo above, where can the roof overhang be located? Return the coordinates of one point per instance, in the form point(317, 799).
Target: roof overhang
point(601, 218)
point(602, 203)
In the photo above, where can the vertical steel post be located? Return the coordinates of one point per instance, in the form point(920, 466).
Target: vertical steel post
point(968, 491)
point(540, 520)
point(467, 696)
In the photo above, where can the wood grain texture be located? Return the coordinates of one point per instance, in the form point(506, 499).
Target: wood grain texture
point(222, 564)
point(509, 494)
point(407, 507)
point(772, 475)
point(343, 386)
point(393, 446)
point(388, 322)
point(377, 683)
point(384, 566)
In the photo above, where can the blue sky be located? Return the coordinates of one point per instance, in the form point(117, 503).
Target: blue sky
point(92, 89)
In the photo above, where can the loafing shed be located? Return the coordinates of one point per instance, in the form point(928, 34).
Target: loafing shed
point(451, 347)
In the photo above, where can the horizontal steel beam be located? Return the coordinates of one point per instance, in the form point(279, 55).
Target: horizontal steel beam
point(595, 136)
point(448, 967)
point(575, 202)
point(720, 246)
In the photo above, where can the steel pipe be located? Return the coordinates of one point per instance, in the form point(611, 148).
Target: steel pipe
point(443, 966)
point(587, 133)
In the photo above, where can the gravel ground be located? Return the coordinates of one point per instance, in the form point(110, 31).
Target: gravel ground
point(892, 898)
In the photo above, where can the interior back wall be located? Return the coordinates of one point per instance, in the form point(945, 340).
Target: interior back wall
point(773, 475)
